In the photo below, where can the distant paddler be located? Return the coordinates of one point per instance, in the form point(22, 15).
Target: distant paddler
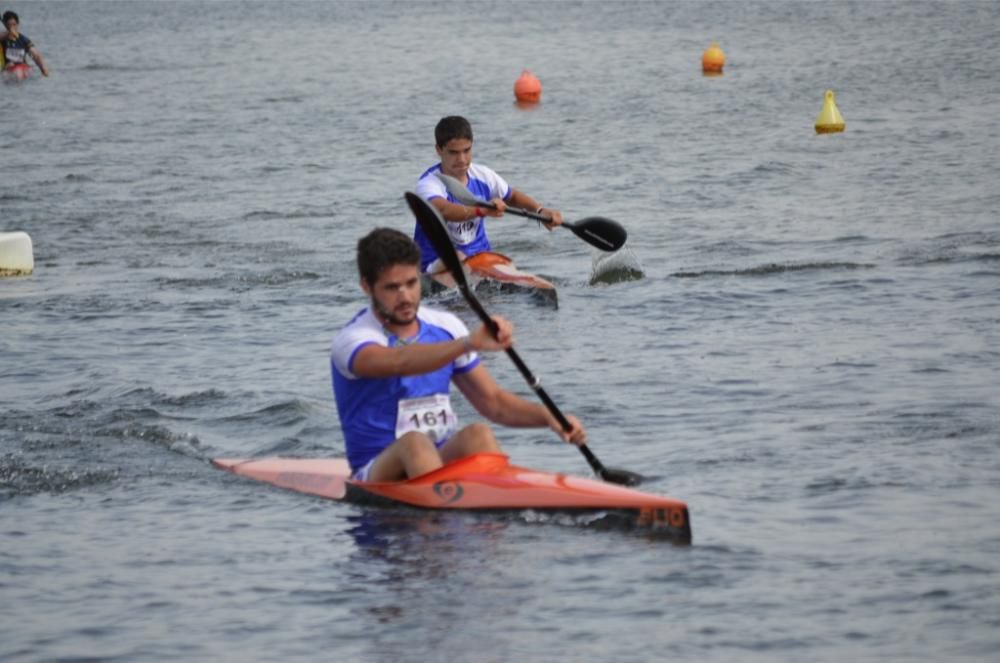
point(17, 47)
point(466, 223)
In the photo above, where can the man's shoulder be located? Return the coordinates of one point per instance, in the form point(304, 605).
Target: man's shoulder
point(481, 171)
point(363, 316)
point(485, 183)
point(487, 179)
point(362, 323)
point(445, 320)
point(363, 329)
point(430, 171)
point(429, 186)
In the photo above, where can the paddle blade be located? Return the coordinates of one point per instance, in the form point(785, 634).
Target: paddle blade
point(599, 232)
point(611, 475)
point(433, 226)
point(620, 477)
point(460, 193)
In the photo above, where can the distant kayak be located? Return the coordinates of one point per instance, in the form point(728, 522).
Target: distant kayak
point(481, 482)
point(16, 72)
point(489, 269)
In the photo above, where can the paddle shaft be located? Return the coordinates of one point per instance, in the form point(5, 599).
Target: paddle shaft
point(601, 233)
point(465, 197)
point(529, 377)
point(518, 211)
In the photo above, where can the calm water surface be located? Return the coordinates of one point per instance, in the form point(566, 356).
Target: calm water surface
point(809, 358)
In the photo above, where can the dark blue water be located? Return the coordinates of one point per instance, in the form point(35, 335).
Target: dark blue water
point(802, 343)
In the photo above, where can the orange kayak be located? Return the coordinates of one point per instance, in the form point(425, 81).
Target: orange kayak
point(491, 269)
point(482, 482)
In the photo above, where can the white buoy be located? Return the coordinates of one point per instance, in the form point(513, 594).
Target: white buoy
point(16, 256)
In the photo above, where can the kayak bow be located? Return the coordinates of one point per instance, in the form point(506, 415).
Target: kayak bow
point(479, 482)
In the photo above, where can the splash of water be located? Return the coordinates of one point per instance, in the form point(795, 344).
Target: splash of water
point(622, 265)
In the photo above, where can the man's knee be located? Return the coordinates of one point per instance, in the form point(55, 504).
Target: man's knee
point(415, 443)
point(480, 438)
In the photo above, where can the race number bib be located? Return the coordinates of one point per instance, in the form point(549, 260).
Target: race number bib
point(430, 415)
point(465, 232)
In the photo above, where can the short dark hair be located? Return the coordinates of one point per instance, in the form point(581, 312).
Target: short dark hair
point(450, 128)
point(10, 15)
point(383, 248)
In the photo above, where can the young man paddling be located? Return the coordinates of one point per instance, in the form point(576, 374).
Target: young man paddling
point(16, 46)
point(392, 367)
point(453, 143)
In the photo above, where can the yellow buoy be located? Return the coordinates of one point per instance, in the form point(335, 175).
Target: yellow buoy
point(713, 60)
point(830, 120)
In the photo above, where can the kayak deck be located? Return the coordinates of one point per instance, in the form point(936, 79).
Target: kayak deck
point(478, 482)
point(491, 270)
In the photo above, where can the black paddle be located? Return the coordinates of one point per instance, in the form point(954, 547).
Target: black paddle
point(597, 231)
point(433, 225)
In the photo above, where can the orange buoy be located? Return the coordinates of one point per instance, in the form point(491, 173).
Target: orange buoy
point(713, 59)
point(830, 121)
point(527, 88)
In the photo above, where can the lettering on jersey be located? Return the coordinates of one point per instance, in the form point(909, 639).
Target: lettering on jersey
point(464, 232)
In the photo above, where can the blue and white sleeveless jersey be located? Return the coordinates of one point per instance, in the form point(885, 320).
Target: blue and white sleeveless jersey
point(469, 237)
point(370, 408)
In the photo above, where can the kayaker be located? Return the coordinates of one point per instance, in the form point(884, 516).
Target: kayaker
point(16, 46)
point(453, 143)
point(392, 368)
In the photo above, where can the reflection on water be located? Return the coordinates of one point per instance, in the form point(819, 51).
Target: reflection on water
point(395, 533)
point(414, 564)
